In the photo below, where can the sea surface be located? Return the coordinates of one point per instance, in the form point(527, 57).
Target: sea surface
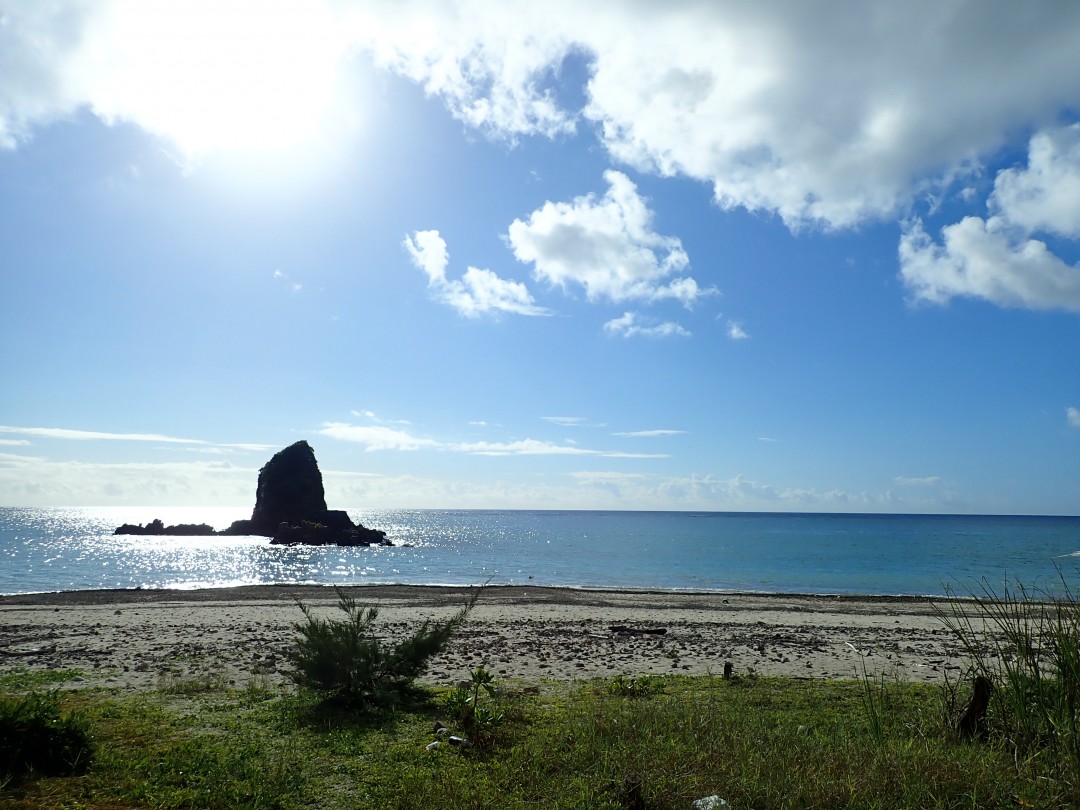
point(43, 550)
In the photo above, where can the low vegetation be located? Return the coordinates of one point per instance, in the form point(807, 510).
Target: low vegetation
point(347, 663)
point(627, 743)
point(1026, 645)
point(37, 737)
point(756, 742)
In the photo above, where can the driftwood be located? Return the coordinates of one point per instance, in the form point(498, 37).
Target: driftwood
point(973, 722)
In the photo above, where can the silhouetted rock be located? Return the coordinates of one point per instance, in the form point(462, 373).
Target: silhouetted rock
point(290, 507)
point(290, 490)
point(156, 527)
point(318, 534)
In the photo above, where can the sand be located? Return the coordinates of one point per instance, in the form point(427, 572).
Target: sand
point(137, 640)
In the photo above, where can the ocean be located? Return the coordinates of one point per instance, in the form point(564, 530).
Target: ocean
point(44, 550)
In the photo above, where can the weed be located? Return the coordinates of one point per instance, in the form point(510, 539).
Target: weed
point(479, 719)
point(1027, 645)
point(36, 736)
point(629, 686)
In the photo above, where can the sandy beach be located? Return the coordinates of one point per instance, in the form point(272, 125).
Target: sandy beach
point(132, 640)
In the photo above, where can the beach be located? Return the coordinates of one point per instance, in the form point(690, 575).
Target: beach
point(145, 639)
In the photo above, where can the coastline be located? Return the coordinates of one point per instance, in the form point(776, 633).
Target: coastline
point(144, 639)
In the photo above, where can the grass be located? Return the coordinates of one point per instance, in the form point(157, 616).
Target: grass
point(627, 743)
point(1027, 644)
point(757, 742)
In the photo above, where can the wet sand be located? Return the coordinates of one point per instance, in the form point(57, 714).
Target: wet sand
point(134, 640)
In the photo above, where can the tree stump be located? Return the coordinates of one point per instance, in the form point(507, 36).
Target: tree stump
point(973, 722)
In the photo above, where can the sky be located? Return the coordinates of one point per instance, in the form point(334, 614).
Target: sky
point(693, 255)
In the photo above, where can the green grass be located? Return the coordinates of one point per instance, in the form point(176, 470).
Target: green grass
point(757, 742)
point(1027, 644)
point(25, 680)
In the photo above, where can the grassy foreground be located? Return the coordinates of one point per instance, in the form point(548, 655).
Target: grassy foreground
point(628, 743)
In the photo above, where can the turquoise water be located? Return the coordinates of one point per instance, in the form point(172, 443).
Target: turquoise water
point(74, 549)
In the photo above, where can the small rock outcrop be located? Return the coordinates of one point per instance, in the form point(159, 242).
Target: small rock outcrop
point(155, 527)
point(290, 507)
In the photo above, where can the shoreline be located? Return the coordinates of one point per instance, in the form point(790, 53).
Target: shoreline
point(274, 591)
point(146, 639)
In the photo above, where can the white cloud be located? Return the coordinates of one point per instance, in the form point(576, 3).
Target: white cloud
point(485, 61)
point(378, 420)
point(32, 481)
point(735, 331)
point(980, 259)
point(14, 442)
point(997, 258)
point(375, 437)
point(918, 481)
point(1072, 416)
point(68, 434)
point(534, 447)
point(566, 421)
point(205, 74)
point(643, 434)
point(605, 245)
point(630, 325)
point(819, 112)
point(477, 292)
point(1046, 195)
point(95, 435)
point(383, 438)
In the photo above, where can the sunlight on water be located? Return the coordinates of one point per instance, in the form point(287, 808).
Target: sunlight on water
point(75, 549)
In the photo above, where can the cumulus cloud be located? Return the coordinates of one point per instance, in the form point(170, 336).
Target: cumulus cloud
point(1046, 195)
point(1072, 416)
point(980, 259)
point(607, 246)
point(630, 324)
point(818, 112)
point(997, 258)
point(478, 292)
point(649, 434)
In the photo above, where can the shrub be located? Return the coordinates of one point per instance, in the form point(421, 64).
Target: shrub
point(344, 660)
point(35, 736)
point(1027, 645)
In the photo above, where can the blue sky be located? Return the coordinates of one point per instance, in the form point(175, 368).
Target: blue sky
point(777, 256)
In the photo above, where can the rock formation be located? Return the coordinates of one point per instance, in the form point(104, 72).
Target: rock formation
point(157, 527)
point(290, 491)
point(290, 507)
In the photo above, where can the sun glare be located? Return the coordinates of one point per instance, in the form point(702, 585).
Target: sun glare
point(223, 75)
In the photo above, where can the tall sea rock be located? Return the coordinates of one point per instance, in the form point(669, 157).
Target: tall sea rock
point(290, 490)
point(290, 505)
